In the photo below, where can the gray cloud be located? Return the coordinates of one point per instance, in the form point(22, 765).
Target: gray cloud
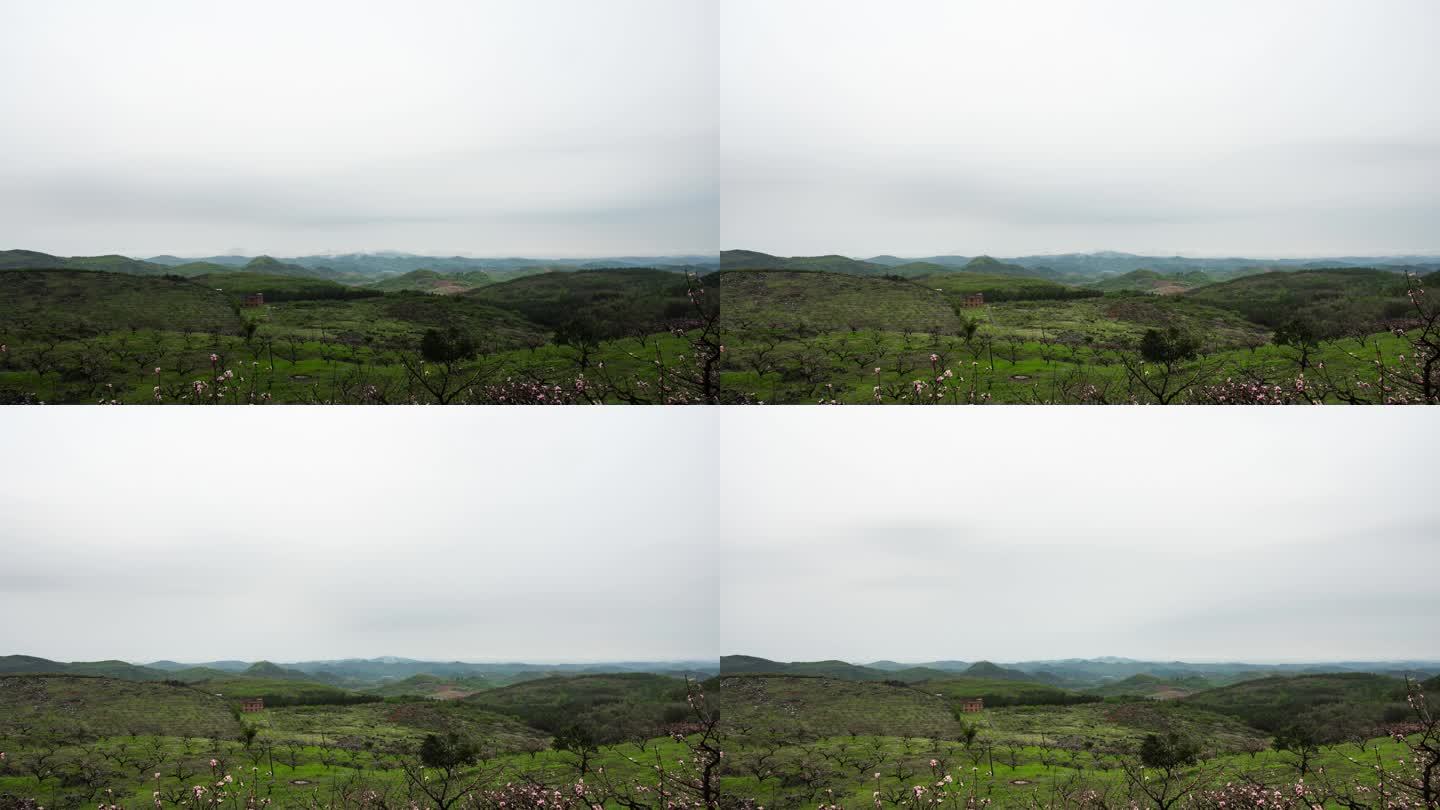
point(293, 534)
point(933, 127)
point(550, 128)
point(1205, 535)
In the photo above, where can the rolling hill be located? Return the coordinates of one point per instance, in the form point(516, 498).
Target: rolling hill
point(80, 303)
point(1149, 281)
point(1334, 300)
point(794, 705)
point(30, 665)
point(1153, 686)
point(432, 281)
point(754, 260)
point(823, 302)
point(614, 706)
point(1335, 704)
point(88, 708)
point(611, 302)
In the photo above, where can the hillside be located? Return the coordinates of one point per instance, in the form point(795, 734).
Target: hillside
point(237, 284)
point(1335, 301)
point(1149, 281)
point(431, 281)
point(77, 303)
point(754, 260)
point(35, 260)
point(986, 669)
point(610, 303)
point(1153, 686)
point(998, 692)
point(284, 691)
point(400, 725)
point(30, 665)
point(998, 288)
point(87, 708)
point(614, 706)
point(798, 706)
point(433, 686)
point(1336, 705)
point(822, 302)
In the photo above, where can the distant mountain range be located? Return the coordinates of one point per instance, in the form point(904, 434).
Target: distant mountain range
point(1072, 673)
point(348, 268)
point(348, 671)
point(1072, 268)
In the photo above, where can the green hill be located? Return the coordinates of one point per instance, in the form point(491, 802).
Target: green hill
point(28, 260)
point(748, 664)
point(77, 303)
point(35, 260)
point(614, 706)
point(1336, 705)
point(754, 260)
point(986, 669)
point(427, 685)
point(799, 706)
point(825, 302)
point(610, 302)
point(987, 265)
point(27, 664)
point(1153, 686)
point(87, 708)
point(435, 282)
point(1335, 301)
point(1149, 281)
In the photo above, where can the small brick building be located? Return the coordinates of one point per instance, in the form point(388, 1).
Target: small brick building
point(255, 300)
point(252, 705)
point(972, 705)
point(973, 300)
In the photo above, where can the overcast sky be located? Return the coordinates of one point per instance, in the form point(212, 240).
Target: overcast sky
point(1203, 127)
point(487, 127)
point(1011, 534)
point(294, 533)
